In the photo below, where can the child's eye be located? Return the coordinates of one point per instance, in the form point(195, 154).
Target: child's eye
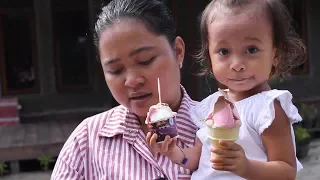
point(224, 52)
point(252, 50)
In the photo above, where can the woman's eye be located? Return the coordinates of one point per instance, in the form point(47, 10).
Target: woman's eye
point(252, 50)
point(115, 72)
point(148, 61)
point(224, 52)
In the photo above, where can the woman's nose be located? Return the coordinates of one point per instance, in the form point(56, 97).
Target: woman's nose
point(134, 79)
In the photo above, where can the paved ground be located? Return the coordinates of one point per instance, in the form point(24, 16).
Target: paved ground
point(28, 176)
point(311, 164)
point(311, 169)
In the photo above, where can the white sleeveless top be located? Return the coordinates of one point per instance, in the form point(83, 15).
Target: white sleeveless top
point(256, 114)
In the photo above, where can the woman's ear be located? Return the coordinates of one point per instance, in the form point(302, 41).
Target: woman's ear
point(179, 50)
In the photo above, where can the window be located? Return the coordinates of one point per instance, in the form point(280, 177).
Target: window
point(19, 73)
point(71, 49)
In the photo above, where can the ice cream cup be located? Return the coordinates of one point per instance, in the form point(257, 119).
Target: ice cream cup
point(165, 128)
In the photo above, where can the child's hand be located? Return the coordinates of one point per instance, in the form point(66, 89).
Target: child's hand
point(233, 160)
point(166, 147)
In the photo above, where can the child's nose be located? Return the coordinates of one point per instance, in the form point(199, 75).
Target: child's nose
point(237, 65)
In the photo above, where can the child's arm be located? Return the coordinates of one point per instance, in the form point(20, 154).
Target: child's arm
point(277, 140)
point(174, 153)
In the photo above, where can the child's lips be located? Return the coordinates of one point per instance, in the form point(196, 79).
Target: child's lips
point(239, 80)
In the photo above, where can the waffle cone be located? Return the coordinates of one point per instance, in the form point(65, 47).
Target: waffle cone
point(216, 134)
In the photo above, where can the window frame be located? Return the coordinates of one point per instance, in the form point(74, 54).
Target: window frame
point(5, 91)
point(59, 75)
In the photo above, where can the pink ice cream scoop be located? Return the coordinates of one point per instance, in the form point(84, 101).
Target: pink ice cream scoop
point(226, 117)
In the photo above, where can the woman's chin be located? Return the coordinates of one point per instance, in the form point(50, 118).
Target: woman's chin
point(140, 111)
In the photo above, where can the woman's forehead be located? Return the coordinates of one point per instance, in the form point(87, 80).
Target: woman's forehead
point(129, 38)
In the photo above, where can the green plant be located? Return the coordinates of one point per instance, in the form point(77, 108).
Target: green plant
point(308, 112)
point(277, 80)
point(301, 133)
point(3, 168)
point(303, 139)
point(45, 161)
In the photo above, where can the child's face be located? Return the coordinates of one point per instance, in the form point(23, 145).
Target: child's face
point(241, 49)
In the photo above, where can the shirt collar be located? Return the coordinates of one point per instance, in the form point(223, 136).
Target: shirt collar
point(121, 121)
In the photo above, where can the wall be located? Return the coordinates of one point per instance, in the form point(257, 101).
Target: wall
point(304, 88)
point(186, 15)
point(49, 102)
point(98, 98)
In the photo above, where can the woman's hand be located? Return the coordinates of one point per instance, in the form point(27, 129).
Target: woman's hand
point(231, 158)
point(165, 147)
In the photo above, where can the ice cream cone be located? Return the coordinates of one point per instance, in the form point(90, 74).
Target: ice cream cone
point(217, 133)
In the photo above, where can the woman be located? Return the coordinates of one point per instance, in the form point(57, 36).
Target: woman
point(137, 43)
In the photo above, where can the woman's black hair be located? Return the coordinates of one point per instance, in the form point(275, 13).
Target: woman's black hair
point(154, 14)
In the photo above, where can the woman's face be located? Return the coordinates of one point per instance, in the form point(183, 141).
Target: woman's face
point(133, 58)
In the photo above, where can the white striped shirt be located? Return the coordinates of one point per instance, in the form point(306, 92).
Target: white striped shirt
point(112, 145)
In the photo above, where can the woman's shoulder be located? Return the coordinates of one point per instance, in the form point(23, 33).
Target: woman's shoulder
point(96, 122)
point(102, 118)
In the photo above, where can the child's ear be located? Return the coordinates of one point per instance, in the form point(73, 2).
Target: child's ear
point(276, 61)
point(276, 57)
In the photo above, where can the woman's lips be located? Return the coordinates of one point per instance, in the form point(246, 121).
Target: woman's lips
point(141, 100)
point(139, 97)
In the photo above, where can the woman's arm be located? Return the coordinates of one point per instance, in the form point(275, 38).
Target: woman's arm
point(174, 153)
point(192, 154)
point(69, 164)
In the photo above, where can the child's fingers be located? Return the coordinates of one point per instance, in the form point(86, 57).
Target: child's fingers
point(224, 152)
point(230, 145)
point(223, 161)
point(220, 167)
